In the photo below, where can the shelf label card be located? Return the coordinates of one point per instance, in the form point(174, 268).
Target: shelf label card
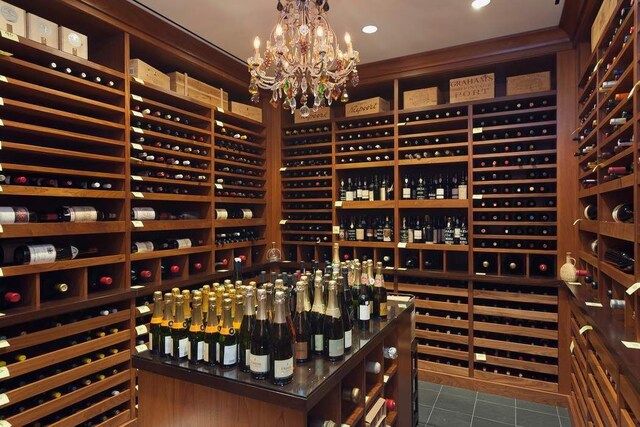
point(5, 423)
point(142, 348)
point(3, 79)
point(4, 399)
point(402, 245)
point(283, 169)
point(141, 329)
point(402, 124)
point(1, 272)
point(571, 346)
point(633, 288)
point(480, 274)
point(137, 287)
point(9, 36)
point(219, 123)
point(477, 196)
point(0, 145)
point(577, 221)
point(338, 204)
point(1, 101)
point(4, 344)
point(388, 267)
point(137, 98)
point(283, 221)
point(137, 194)
point(585, 328)
point(138, 80)
point(136, 146)
point(143, 309)
point(593, 304)
point(386, 378)
point(4, 372)
point(335, 229)
point(137, 113)
point(136, 178)
point(481, 357)
point(575, 283)
point(402, 268)
point(632, 345)
point(1, 122)
point(219, 186)
point(138, 224)
point(633, 89)
point(5, 53)
point(1, 229)
point(477, 130)
point(137, 130)
point(220, 109)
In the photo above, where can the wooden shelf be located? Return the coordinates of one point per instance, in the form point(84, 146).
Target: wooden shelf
point(20, 270)
point(618, 230)
point(171, 225)
point(61, 229)
point(437, 247)
point(434, 160)
point(351, 244)
point(170, 253)
point(364, 165)
point(386, 204)
point(426, 204)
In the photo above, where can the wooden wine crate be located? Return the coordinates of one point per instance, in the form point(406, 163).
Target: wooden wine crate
point(42, 30)
point(607, 9)
point(248, 111)
point(13, 19)
point(323, 114)
point(366, 106)
point(73, 42)
point(529, 83)
point(186, 85)
point(422, 97)
point(471, 88)
point(145, 72)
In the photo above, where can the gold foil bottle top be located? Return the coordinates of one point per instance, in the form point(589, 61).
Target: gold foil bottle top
point(157, 295)
point(261, 294)
point(226, 303)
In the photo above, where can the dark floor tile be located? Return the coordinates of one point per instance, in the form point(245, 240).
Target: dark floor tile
point(423, 385)
point(481, 422)
point(565, 422)
point(563, 412)
point(451, 402)
point(443, 418)
point(494, 412)
point(537, 407)
point(427, 397)
point(423, 413)
point(525, 418)
point(494, 398)
point(459, 391)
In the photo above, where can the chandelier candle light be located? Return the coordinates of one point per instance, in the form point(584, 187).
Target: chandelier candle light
point(302, 59)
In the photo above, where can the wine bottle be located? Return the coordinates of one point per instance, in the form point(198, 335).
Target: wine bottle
point(316, 318)
point(281, 354)
point(333, 328)
point(99, 281)
point(390, 353)
point(372, 367)
point(228, 337)
point(260, 340)
point(623, 213)
point(351, 394)
point(302, 327)
point(53, 290)
point(9, 298)
point(155, 324)
point(246, 329)
point(179, 334)
point(364, 311)
point(346, 317)
point(17, 215)
point(47, 253)
point(165, 341)
point(211, 354)
point(379, 294)
point(591, 212)
point(83, 214)
point(196, 333)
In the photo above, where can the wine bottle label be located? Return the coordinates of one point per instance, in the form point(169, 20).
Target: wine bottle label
point(247, 356)
point(230, 354)
point(205, 352)
point(383, 309)
point(82, 214)
point(359, 234)
point(417, 235)
point(386, 234)
point(365, 194)
point(364, 312)
point(347, 338)
point(259, 364)
point(439, 193)
point(462, 192)
point(41, 254)
point(168, 345)
point(10, 215)
point(199, 351)
point(349, 196)
point(183, 243)
point(247, 214)
point(183, 347)
point(318, 343)
point(217, 352)
point(144, 214)
point(221, 214)
point(283, 368)
point(143, 247)
point(336, 347)
point(151, 341)
point(302, 350)
point(406, 193)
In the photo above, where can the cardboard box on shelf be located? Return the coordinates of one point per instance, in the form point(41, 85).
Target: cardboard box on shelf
point(13, 19)
point(73, 42)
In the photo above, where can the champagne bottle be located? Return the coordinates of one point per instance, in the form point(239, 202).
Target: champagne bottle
point(238, 312)
point(228, 337)
point(379, 295)
point(302, 327)
point(364, 312)
point(196, 333)
point(179, 334)
point(260, 341)
point(333, 330)
point(165, 342)
point(346, 317)
point(317, 315)
point(156, 322)
point(246, 329)
point(211, 334)
point(281, 355)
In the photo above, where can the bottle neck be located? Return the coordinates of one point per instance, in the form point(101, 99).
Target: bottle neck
point(178, 323)
point(196, 320)
point(317, 296)
point(332, 305)
point(300, 294)
point(249, 307)
point(226, 317)
point(168, 312)
point(157, 309)
point(279, 315)
point(262, 309)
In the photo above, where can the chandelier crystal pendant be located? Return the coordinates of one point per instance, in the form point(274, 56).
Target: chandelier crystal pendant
point(302, 59)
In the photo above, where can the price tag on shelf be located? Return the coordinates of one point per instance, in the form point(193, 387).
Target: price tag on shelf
point(136, 178)
point(585, 328)
point(480, 274)
point(477, 196)
point(388, 267)
point(136, 146)
point(141, 329)
point(137, 130)
point(0, 167)
point(138, 80)
point(219, 123)
point(137, 98)
point(5, 53)
point(402, 268)
point(1, 122)
point(1, 229)
point(1, 272)
point(338, 204)
point(575, 283)
point(402, 124)
point(0, 145)
point(593, 304)
point(137, 113)
point(4, 399)
point(481, 357)
point(385, 379)
point(4, 372)
point(138, 224)
point(571, 346)
point(142, 348)
point(335, 229)
point(1, 101)
point(137, 194)
point(220, 109)
point(633, 288)
point(3, 79)
point(283, 221)
point(402, 245)
point(143, 309)
point(632, 345)
point(137, 287)
point(5, 423)
point(4, 344)
point(283, 169)
point(577, 221)
point(219, 186)
point(477, 130)
point(9, 36)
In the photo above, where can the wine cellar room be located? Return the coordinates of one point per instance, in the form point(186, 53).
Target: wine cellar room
point(314, 213)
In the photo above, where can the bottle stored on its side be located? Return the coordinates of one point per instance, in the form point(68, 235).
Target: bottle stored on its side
point(196, 333)
point(53, 290)
point(333, 330)
point(623, 213)
point(228, 337)
point(281, 355)
point(260, 341)
point(246, 329)
point(46, 253)
point(156, 322)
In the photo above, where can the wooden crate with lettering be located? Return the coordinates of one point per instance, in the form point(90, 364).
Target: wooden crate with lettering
point(471, 88)
point(366, 106)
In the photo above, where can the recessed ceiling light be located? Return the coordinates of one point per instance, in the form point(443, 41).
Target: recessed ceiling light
point(479, 4)
point(369, 29)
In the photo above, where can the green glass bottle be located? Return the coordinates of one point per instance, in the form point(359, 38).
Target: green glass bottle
point(156, 322)
point(246, 328)
point(333, 328)
point(165, 345)
point(228, 337)
point(211, 334)
point(196, 333)
point(260, 340)
point(281, 354)
point(179, 333)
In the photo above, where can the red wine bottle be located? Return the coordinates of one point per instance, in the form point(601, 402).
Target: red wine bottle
point(623, 213)
point(9, 298)
point(17, 215)
point(46, 253)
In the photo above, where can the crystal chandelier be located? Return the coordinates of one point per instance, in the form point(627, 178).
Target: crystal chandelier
point(303, 60)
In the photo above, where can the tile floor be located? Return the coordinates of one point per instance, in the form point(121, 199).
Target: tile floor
point(444, 406)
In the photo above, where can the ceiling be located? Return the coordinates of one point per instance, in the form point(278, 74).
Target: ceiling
point(416, 26)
